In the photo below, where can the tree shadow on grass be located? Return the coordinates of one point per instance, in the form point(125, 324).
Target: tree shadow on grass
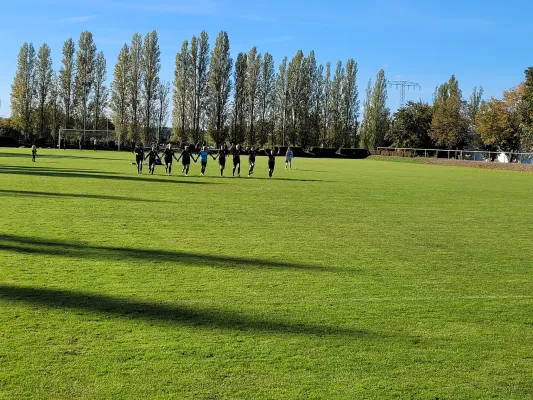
point(185, 315)
point(58, 173)
point(57, 155)
point(37, 168)
point(16, 155)
point(24, 193)
point(77, 250)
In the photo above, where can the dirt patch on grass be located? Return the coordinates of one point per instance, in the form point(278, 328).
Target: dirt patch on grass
point(460, 163)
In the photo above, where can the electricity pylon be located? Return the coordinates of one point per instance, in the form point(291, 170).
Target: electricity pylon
point(403, 85)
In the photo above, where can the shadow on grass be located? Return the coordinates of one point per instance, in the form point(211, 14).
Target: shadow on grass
point(34, 246)
point(166, 313)
point(58, 155)
point(58, 173)
point(23, 193)
point(54, 169)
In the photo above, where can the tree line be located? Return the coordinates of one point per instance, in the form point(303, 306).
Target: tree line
point(451, 122)
point(212, 97)
point(249, 101)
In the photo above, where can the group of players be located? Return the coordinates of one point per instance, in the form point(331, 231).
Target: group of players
point(186, 155)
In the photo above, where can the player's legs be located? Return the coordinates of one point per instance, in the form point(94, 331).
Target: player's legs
point(187, 170)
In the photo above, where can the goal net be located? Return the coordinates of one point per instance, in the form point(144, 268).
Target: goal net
point(88, 139)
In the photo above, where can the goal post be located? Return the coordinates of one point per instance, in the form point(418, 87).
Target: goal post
point(85, 139)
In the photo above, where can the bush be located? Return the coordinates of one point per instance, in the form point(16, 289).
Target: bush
point(47, 141)
point(354, 153)
point(324, 152)
point(8, 141)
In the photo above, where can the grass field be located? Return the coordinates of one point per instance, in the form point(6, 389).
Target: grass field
point(340, 279)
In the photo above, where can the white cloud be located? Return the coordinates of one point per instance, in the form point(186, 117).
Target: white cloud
point(73, 20)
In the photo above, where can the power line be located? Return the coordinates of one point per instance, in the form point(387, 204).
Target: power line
point(402, 85)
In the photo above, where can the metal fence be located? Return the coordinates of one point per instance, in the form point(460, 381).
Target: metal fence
point(468, 155)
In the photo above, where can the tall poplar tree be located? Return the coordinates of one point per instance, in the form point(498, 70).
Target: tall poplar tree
point(135, 84)
point(267, 81)
point(199, 62)
point(54, 106)
point(336, 105)
point(66, 78)
point(151, 65)
point(326, 104)
point(295, 96)
point(253, 63)
point(101, 94)
point(119, 93)
point(350, 104)
point(281, 101)
point(376, 114)
point(43, 82)
point(162, 109)
point(219, 79)
point(238, 126)
point(23, 90)
point(180, 124)
point(85, 74)
point(316, 110)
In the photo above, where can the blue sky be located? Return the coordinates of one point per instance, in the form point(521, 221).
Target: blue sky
point(483, 43)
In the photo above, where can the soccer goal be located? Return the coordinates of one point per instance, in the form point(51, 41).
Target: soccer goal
point(88, 139)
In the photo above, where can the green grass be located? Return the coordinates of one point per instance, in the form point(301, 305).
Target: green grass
point(340, 279)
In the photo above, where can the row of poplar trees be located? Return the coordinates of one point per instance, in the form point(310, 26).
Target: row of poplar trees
point(77, 97)
point(212, 98)
point(248, 102)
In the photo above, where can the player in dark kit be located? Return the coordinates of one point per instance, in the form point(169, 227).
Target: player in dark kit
point(251, 160)
point(271, 162)
point(33, 153)
point(152, 155)
point(185, 157)
point(139, 158)
point(168, 154)
point(222, 154)
point(236, 153)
